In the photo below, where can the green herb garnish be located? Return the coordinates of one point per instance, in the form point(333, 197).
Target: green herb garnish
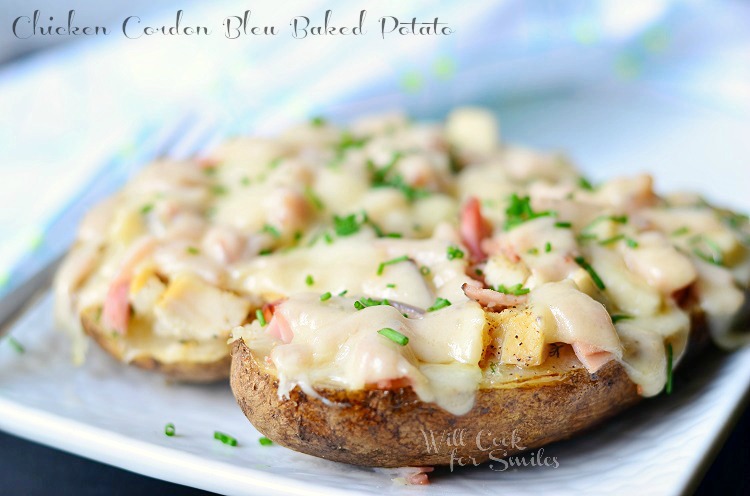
point(547, 247)
point(275, 162)
point(454, 252)
point(585, 184)
point(631, 243)
point(618, 317)
point(564, 225)
point(343, 292)
point(225, 438)
point(439, 303)
point(18, 347)
point(325, 296)
point(534, 251)
point(192, 250)
point(318, 121)
point(365, 302)
point(715, 257)
point(516, 289)
point(519, 211)
point(424, 270)
point(394, 336)
point(345, 226)
point(681, 231)
point(268, 228)
point(169, 429)
point(309, 280)
point(218, 190)
point(588, 268)
point(261, 318)
point(313, 198)
point(390, 285)
point(147, 208)
point(264, 441)
point(613, 239)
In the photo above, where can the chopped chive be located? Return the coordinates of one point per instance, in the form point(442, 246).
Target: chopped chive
point(147, 208)
point(619, 219)
point(325, 296)
point(588, 268)
point(192, 250)
point(669, 368)
point(261, 318)
point(345, 226)
point(275, 162)
point(328, 238)
point(225, 438)
point(390, 285)
point(631, 243)
point(268, 228)
point(681, 231)
point(169, 429)
point(519, 211)
point(18, 347)
point(586, 236)
point(585, 184)
point(394, 336)
point(369, 302)
point(454, 252)
point(439, 303)
point(479, 272)
point(618, 317)
point(516, 289)
point(218, 189)
point(381, 267)
point(613, 239)
point(343, 292)
point(309, 280)
point(547, 247)
point(533, 251)
point(424, 270)
point(264, 441)
point(564, 225)
point(265, 251)
point(313, 198)
point(318, 121)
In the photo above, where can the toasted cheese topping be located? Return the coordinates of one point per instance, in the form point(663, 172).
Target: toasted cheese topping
point(392, 253)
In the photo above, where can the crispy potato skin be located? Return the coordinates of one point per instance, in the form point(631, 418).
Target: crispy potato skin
point(201, 372)
point(392, 428)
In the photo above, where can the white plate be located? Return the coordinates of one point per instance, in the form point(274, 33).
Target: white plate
point(117, 414)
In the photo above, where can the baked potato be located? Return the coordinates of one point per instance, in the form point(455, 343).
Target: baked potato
point(409, 270)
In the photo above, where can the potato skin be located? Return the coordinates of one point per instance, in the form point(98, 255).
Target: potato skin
point(194, 372)
point(380, 428)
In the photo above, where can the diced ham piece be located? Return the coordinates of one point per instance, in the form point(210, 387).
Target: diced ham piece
point(116, 309)
point(279, 328)
point(492, 299)
point(419, 476)
point(591, 357)
point(474, 228)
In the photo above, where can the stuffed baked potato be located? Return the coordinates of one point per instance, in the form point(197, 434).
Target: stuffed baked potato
point(383, 285)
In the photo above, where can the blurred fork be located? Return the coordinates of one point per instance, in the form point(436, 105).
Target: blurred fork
point(186, 137)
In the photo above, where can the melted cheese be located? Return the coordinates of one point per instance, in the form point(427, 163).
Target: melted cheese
point(373, 212)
